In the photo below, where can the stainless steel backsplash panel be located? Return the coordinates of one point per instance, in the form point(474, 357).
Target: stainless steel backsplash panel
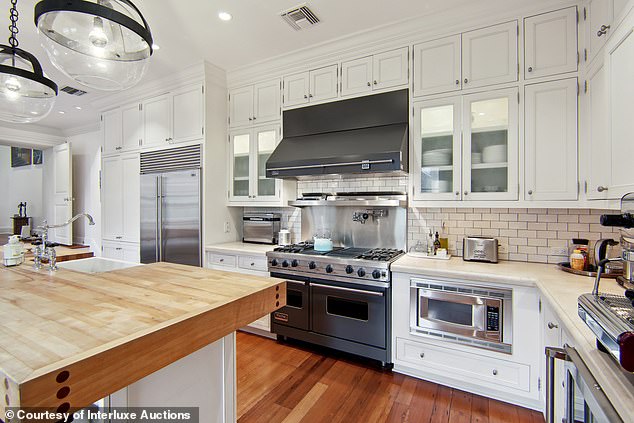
point(389, 231)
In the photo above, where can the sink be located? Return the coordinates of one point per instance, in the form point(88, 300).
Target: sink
point(96, 265)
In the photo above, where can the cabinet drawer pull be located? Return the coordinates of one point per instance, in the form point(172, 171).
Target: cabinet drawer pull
point(250, 118)
point(252, 264)
point(495, 372)
point(305, 96)
point(457, 82)
point(530, 68)
point(118, 248)
point(310, 95)
point(221, 260)
point(375, 83)
point(602, 188)
point(552, 325)
point(603, 30)
point(466, 80)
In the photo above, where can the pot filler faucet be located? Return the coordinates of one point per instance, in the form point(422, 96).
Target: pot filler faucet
point(46, 249)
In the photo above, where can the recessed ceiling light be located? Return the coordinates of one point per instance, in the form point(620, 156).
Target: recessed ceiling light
point(156, 47)
point(77, 107)
point(224, 16)
point(61, 112)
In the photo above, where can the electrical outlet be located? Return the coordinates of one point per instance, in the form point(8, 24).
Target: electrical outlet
point(227, 227)
point(559, 251)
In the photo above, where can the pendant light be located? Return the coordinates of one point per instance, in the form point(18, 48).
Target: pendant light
point(102, 44)
point(26, 95)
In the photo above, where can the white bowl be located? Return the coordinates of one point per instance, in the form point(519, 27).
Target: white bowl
point(494, 154)
point(439, 185)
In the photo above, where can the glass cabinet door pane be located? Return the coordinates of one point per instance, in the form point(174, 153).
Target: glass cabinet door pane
point(241, 165)
point(489, 145)
point(267, 140)
point(437, 133)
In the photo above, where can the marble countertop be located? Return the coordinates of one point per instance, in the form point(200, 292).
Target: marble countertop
point(240, 248)
point(560, 290)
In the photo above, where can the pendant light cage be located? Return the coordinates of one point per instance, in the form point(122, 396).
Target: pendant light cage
point(26, 94)
point(101, 44)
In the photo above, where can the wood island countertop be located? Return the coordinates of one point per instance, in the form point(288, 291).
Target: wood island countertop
point(98, 333)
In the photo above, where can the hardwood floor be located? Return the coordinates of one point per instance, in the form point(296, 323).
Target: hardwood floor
point(288, 383)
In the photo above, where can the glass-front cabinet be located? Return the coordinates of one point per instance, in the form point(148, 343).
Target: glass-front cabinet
point(249, 150)
point(466, 147)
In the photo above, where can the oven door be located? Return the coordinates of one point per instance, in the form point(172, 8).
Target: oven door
point(349, 312)
point(296, 312)
point(461, 314)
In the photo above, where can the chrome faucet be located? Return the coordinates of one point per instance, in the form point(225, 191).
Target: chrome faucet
point(46, 250)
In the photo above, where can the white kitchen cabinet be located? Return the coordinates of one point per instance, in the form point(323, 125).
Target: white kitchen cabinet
point(258, 103)
point(598, 17)
point(377, 72)
point(490, 145)
point(550, 43)
point(620, 62)
point(436, 149)
point(489, 55)
point(188, 113)
point(157, 120)
point(437, 66)
point(131, 126)
point(312, 86)
point(111, 131)
point(126, 251)
point(596, 144)
point(120, 197)
point(249, 149)
point(550, 127)
point(553, 336)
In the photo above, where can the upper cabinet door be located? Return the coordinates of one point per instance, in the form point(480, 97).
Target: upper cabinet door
point(157, 118)
point(390, 69)
point(597, 141)
point(599, 24)
point(241, 106)
point(296, 89)
point(551, 141)
point(111, 130)
point(620, 59)
point(489, 55)
point(323, 83)
point(188, 115)
point(437, 66)
point(266, 101)
point(265, 139)
point(356, 76)
point(132, 126)
point(490, 147)
point(240, 166)
point(550, 43)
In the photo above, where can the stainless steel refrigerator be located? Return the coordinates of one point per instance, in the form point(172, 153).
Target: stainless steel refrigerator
point(171, 217)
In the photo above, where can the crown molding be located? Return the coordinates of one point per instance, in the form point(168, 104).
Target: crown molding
point(79, 130)
point(390, 36)
point(35, 136)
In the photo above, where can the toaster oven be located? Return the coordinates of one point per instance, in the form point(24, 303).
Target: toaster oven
point(260, 228)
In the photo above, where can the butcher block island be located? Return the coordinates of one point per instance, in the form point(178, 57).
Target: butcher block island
point(164, 332)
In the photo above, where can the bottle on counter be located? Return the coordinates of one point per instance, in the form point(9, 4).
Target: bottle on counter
point(437, 245)
point(430, 243)
point(577, 260)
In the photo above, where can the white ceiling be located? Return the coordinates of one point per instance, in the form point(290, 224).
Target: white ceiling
point(189, 31)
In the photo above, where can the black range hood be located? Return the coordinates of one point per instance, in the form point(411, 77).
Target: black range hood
point(364, 135)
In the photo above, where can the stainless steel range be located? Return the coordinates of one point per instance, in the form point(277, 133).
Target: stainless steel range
point(340, 296)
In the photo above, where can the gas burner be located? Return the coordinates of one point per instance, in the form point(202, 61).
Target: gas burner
point(380, 254)
point(295, 248)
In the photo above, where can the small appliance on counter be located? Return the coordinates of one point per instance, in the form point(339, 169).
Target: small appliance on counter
point(284, 237)
point(481, 249)
point(260, 228)
point(13, 252)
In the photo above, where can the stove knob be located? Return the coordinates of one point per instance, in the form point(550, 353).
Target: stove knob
point(349, 269)
point(376, 274)
point(294, 263)
point(329, 269)
point(274, 262)
point(284, 263)
point(312, 265)
point(361, 273)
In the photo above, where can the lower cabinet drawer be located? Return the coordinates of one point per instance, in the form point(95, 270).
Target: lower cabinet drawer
point(223, 260)
point(252, 263)
point(470, 367)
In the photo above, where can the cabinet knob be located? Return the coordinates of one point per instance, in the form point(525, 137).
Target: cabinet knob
point(254, 118)
point(375, 83)
point(310, 95)
point(457, 82)
point(603, 30)
point(466, 80)
point(221, 260)
point(250, 118)
point(466, 193)
point(602, 188)
point(552, 325)
point(457, 192)
point(305, 96)
point(252, 264)
point(530, 192)
point(530, 68)
point(369, 85)
point(495, 372)
point(422, 355)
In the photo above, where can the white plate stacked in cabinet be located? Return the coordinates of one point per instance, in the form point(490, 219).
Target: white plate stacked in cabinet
point(242, 258)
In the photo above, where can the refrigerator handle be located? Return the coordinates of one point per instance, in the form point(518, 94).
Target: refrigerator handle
point(159, 217)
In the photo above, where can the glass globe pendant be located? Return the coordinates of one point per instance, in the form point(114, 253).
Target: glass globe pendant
point(26, 95)
point(102, 44)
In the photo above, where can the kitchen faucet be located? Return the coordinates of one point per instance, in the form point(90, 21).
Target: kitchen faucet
point(46, 249)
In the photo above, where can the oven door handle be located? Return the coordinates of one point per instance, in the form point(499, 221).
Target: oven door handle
point(339, 288)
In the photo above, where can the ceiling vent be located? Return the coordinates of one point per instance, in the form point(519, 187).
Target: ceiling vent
point(300, 17)
point(73, 91)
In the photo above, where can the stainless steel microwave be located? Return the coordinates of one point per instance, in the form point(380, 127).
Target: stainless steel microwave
point(479, 316)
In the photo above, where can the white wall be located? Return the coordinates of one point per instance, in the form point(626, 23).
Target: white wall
point(16, 185)
point(86, 152)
